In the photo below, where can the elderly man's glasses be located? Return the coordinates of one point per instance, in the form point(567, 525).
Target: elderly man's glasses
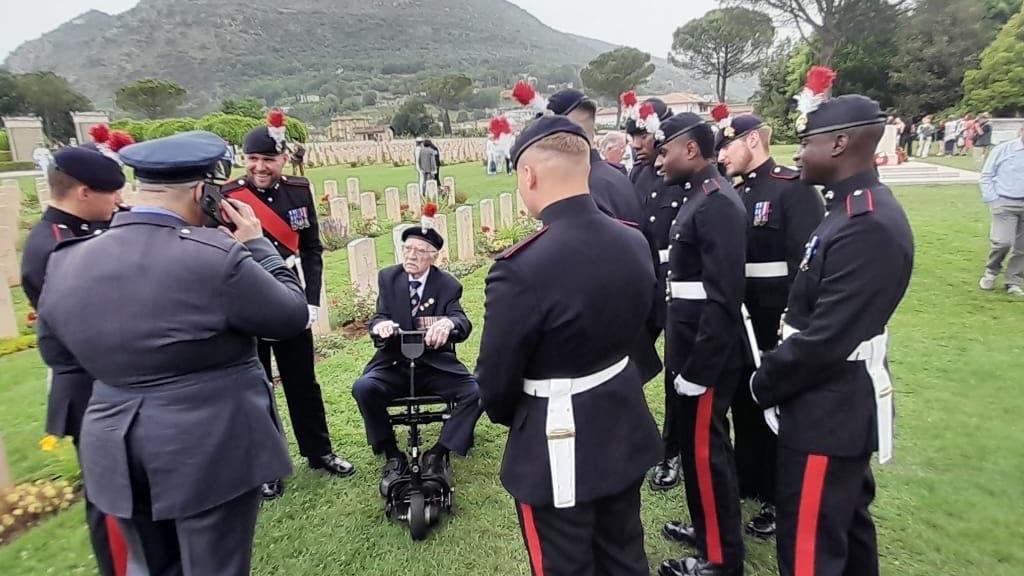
point(418, 252)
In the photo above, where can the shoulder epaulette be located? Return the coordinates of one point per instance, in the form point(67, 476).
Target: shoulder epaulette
point(711, 186)
point(232, 185)
point(73, 240)
point(295, 181)
point(785, 173)
point(860, 202)
point(512, 251)
point(209, 236)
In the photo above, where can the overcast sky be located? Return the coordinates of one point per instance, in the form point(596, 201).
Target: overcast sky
point(645, 24)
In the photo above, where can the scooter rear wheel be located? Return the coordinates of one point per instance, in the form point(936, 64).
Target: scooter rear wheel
point(418, 525)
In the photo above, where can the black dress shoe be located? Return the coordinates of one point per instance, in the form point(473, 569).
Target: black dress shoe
point(393, 469)
point(763, 525)
point(272, 490)
point(693, 566)
point(436, 465)
point(333, 465)
point(666, 474)
point(684, 534)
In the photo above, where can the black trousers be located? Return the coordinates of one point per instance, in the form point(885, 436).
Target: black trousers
point(301, 390)
point(106, 546)
point(375, 389)
point(670, 432)
point(600, 538)
point(824, 527)
point(709, 473)
point(215, 541)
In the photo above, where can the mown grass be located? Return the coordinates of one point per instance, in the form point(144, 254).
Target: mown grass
point(950, 504)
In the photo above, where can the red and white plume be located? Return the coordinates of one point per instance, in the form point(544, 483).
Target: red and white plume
point(720, 114)
point(647, 118)
point(499, 126)
point(99, 133)
point(427, 220)
point(119, 139)
point(630, 108)
point(815, 91)
point(276, 128)
point(526, 95)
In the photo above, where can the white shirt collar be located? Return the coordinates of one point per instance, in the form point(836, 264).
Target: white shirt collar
point(421, 279)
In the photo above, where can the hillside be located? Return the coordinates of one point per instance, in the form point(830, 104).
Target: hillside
point(342, 47)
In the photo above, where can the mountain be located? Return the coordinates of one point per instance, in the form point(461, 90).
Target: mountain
point(269, 49)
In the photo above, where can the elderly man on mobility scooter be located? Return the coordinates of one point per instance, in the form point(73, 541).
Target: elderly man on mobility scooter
point(416, 295)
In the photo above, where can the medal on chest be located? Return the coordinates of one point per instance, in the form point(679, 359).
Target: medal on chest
point(811, 248)
point(762, 212)
point(298, 218)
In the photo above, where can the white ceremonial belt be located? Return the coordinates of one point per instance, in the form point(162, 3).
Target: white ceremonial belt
point(663, 256)
point(295, 263)
point(748, 325)
point(687, 290)
point(560, 425)
point(767, 269)
point(873, 353)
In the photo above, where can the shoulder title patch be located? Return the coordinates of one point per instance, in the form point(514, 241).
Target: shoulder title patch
point(860, 202)
point(522, 244)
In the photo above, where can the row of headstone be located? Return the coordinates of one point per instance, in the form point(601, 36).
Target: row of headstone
point(10, 269)
point(453, 151)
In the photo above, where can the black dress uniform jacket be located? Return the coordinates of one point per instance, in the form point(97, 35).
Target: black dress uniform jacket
point(568, 302)
point(179, 390)
point(855, 270)
point(707, 245)
point(612, 191)
point(70, 387)
point(441, 297)
point(660, 203)
point(782, 212)
point(291, 198)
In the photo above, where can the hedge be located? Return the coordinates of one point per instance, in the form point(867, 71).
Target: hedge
point(228, 126)
point(16, 166)
point(4, 143)
point(5, 156)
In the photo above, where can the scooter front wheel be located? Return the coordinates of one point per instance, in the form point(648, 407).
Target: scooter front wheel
point(418, 525)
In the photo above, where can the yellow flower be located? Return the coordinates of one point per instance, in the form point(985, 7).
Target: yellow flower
point(17, 512)
point(49, 491)
point(64, 505)
point(34, 508)
point(7, 520)
point(68, 490)
point(69, 497)
point(49, 443)
point(12, 498)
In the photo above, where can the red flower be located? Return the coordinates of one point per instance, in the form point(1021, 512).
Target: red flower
point(430, 209)
point(720, 112)
point(628, 99)
point(403, 207)
point(523, 92)
point(99, 133)
point(646, 110)
point(485, 229)
point(326, 199)
point(819, 79)
point(119, 139)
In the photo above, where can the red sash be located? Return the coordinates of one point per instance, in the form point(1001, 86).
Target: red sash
point(272, 223)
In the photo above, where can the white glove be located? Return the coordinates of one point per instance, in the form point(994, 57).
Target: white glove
point(686, 388)
point(771, 418)
point(314, 313)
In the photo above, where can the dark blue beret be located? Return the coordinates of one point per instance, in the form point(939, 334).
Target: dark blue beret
point(660, 108)
point(676, 126)
point(258, 141)
point(740, 127)
point(848, 111)
point(431, 236)
point(540, 129)
point(90, 167)
point(184, 157)
point(565, 101)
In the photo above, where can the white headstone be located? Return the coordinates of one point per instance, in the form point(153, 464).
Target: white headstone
point(441, 220)
point(362, 266)
point(352, 186)
point(8, 321)
point(487, 214)
point(464, 232)
point(43, 192)
point(10, 208)
point(505, 214)
point(449, 185)
point(396, 237)
point(368, 206)
point(339, 211)
point(392, 204)
point(6, 480)
point(431, 191)
point(414, 200)
point(331, 189)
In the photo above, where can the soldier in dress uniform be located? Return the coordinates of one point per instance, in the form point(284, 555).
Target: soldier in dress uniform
point(554, 366)
point(285, 207)
point(659, 202)
point(826, 387)
point(705, 346)
point(85, 187)
point(610, 189)
point(181, 428)
point(782, 212)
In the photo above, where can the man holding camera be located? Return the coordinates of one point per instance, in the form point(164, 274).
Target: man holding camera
point(416, 295)
point(286, 209)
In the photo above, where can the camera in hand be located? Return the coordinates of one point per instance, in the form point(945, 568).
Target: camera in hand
point(210, 202)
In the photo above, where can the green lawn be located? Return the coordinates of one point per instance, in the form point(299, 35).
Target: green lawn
point(950, 504)
point(960, 162)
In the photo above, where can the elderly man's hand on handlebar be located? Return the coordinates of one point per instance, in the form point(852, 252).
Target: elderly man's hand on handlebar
point(384, 329)
point(437, 335)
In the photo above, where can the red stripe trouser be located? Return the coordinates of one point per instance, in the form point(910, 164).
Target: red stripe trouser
point(823, 527)
point(600, 538)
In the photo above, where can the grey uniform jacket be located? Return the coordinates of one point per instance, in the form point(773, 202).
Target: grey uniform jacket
point(165, 317)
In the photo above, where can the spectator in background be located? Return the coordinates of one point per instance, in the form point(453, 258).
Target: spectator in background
point(970, 132)
point(906, 136)
point(961, 135)
point(299, 160)
point(613, 148)
point(42, 157)
point(925, 135)
point(949, 136)
point(427, 163)
point(1002, 188)
point(983, 139)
